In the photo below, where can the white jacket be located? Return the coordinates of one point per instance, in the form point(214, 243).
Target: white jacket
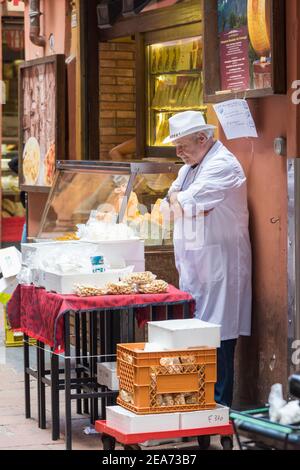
point(216, 268)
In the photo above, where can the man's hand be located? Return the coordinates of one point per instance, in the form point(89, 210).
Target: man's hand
point(176, 208)
point(206, 213)
point(173, 198)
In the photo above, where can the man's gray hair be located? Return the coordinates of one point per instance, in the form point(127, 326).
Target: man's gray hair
point(209, 133)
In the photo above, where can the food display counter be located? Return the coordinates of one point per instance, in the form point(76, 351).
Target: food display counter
point(127, 194)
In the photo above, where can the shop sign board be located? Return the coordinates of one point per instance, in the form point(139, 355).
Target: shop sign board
point(244, 49)
point(42, 120)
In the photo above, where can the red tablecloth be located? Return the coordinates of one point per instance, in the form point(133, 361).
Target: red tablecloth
point(39, 313)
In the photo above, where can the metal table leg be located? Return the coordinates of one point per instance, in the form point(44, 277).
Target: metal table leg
point(27, 377)
point(102, 353)
point(77, 352)
point(55, 396)
point(84, 353)
point(93, 363)
point(41, 385)
point(68, 415)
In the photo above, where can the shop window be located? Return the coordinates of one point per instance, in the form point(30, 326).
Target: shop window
point(175, 84)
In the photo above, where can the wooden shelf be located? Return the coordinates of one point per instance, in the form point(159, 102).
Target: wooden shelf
point(10, 193)
point(178, 110)
point(178, 72)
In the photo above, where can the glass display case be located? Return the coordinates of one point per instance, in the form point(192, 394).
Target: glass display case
point(129, 193)
point(175, 84)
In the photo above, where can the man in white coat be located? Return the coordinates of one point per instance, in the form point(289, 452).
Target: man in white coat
point(215, 266)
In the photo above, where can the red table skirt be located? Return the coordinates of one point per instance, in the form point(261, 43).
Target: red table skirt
point(39, 314)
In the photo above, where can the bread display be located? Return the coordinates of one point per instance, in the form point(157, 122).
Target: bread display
point(143, 283)
point(120, 288)
point(141, 278)
point(87, 291)
point(154, 287)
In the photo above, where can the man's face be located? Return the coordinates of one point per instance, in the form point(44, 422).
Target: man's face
point(191, 148)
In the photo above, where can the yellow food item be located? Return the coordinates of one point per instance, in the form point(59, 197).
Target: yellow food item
point(88, 291)
point(259, 13)
point(5, 214)
point(49, 165)
point(140, 278)
point(9, 206)
point(156, 215)
point(120, 288)
point(154, 287)
point(31, 161)
point(68, 236)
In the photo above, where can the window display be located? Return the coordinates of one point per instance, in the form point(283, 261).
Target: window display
point(87, 197)
point(175, 83)
point(42, 121)
point(244, 49)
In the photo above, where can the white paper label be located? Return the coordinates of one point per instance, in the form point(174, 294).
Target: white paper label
point(236, 119)
point(10, 261)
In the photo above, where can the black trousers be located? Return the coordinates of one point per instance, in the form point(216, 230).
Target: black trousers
point(225, 372)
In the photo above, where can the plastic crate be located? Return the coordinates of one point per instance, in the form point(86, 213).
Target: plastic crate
point(143, 377)
point(12, 229)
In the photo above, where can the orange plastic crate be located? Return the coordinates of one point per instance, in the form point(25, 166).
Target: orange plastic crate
point(142, 375)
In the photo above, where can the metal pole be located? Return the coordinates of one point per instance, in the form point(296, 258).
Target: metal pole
point(55, 396)
point(26, 377)
point(68, 416)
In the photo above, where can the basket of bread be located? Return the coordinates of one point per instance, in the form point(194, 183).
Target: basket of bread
point(136, 283)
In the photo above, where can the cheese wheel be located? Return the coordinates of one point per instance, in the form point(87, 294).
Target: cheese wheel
point(259, 14)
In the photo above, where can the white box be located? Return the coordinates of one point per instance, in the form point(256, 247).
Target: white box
point(117, 253)
point(183, 334)
point(107, 375)
point(130, 423)
point(204, 418)
point(10, 261)
point(65, 283)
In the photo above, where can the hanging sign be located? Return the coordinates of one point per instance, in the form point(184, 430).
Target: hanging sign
point(236, 119)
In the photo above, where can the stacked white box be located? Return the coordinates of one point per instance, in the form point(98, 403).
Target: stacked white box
point(205, 418)
point(107, 375)
point(117, 253)
point(184, 334)
point(130, 423)
point(65, 283)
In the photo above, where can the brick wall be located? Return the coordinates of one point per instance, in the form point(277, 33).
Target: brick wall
point(117, 95)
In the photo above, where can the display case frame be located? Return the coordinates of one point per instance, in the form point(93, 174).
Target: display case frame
point(213, 92)
point(57, 124)
point(130, 169)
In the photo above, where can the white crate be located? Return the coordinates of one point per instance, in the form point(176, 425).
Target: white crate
point(107, 375)
point(205, 418)
point(65, 283)
point(130, 423)
point(183, 334)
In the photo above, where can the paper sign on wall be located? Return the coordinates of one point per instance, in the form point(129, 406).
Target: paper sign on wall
point(10, 261)
point(236, 119)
